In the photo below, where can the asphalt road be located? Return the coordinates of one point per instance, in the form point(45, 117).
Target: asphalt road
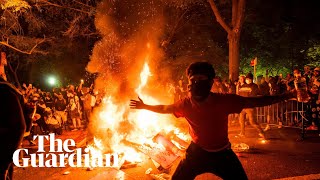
point(281, 156)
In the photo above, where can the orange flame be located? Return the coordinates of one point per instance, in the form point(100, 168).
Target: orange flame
point(144, 75)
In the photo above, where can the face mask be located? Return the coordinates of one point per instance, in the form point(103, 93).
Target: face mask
point(200, 90)
point(248, 81)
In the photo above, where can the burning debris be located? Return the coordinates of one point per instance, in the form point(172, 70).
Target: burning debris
point(66, 173)
point(240, 147)
point(161, 176)
point(130, 133)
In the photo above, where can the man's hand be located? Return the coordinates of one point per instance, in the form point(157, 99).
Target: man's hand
point(163, 109)
point(134, 104)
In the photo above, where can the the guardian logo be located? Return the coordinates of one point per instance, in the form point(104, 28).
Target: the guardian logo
point(61, 155)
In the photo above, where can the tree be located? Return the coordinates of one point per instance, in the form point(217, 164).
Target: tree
point(32, 31)
point(313, 54)
point(233, 30)
point(188, 36)
point(281, 38)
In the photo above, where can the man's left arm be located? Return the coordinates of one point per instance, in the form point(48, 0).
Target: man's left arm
point(251, 102)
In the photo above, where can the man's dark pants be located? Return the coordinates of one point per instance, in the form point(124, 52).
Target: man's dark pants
point(224, 164)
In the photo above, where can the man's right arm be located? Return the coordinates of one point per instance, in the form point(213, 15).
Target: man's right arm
point(163, 109)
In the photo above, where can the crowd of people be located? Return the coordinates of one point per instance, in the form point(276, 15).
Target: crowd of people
point(269, 85)
point(69, 108)
point(62, 109)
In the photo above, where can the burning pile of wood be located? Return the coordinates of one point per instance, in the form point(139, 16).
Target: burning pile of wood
point(166, 150)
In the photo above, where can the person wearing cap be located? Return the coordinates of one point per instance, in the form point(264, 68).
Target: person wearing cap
point(207, 116)
point(250, 89)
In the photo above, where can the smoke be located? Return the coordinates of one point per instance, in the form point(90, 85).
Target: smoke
point(131, 30)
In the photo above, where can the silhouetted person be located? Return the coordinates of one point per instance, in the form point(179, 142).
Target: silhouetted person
point(264, 88)
point(12, 126)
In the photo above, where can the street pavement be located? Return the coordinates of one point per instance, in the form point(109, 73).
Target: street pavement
point(283, 156)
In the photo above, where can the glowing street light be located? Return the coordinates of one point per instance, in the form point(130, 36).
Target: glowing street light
point(52, 81)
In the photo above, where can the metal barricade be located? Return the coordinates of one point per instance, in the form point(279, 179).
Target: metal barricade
point(289, 113)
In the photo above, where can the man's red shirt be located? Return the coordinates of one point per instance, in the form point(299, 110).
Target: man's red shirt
point(208, 120)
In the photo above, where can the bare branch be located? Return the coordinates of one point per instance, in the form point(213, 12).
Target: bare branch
point(82, 3)
point(90, 34)
point(11, 27)
point(34, 47)
point(73, 27)
point(180, 19)
point(32, 50)
point(65, 7)
point(10, 67)
point(13, 19)
point(16, 69)
point(36, 22)
point(174, 29)
point(184, 23)
point(219, 17)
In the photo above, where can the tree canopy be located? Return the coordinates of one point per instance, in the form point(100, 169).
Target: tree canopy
point(39, 36)
point(35, 31)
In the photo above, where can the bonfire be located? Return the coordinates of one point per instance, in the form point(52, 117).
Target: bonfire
point(133, 134)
